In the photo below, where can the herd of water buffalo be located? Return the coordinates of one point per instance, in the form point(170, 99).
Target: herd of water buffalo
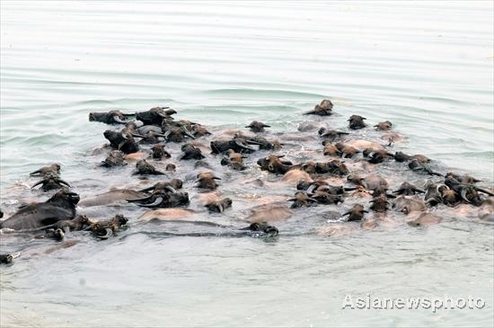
point(330, 169)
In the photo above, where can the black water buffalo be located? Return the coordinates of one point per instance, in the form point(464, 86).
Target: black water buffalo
point(191, 152)
point(122, 141)
point(237, 144)
point(163, 199)
point(111, 117)
point(256, 126)
point(61, 206)
point(51, 181)
point(356, 122)
point(107, 228)
point(155, 116)
point(144, 168)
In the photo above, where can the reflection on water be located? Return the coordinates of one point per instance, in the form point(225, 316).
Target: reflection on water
point(426, 67)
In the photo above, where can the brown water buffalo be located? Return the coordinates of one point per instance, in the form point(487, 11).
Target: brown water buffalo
point(234, 160)
point(159, 152)
point(274, 164)
point(115, 158)
point(383, 126)
point(407, 204)
point(323, 109)
point(356, 213)
point(408, 189)
point(302, 199)
point(207, 180)
point(219, 205)
point(53, 168)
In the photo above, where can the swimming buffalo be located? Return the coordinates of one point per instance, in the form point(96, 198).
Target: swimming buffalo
point(256, 126)
point(53, 168)
point(323, 109)
point(155, 115)
point(61, 206)
point(115, 158)
point(356, 213)
point(274, 164)
point(219, 205)
point(207, 180)
point(144, 168)
point(51, 181)
point(107, 228)
point(356, 122)
point(111, 117)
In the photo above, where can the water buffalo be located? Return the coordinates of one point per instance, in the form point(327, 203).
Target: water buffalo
point(143, 168)
point(380, 203)
point(274, 164)
point(111, 117)
point(356, 122)
point(234, 160)
point(237, 144)
point(256, 126)
point(61, 206)
point(408, 189)
point(155, 115)
point(323, 109)
point(330, 149)
point(302, 199)
point(262, 227)
point(121, 141)
point(409, 204)
point(346, 151)
point(158, 151)
point(356, 213)
point(331, 134)
point(53, 168)
point(163, 199)
point(383, 126)
point(170, 186)
point(51, 181)
point(191, 152)
point(107, 228)
point(115, 158)
point(207, 180)
point(219, 205)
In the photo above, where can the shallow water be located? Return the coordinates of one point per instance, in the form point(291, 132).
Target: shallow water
point(427, 67)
